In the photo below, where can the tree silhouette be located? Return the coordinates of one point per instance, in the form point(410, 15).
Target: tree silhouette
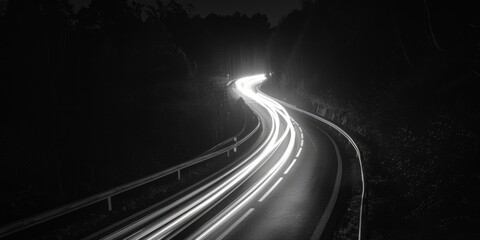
point(399, 76)
point(91, 97)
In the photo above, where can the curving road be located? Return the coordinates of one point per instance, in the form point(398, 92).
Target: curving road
point(284, 187)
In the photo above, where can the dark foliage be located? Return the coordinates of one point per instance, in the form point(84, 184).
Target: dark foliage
point(403, 77)
point(99, 98)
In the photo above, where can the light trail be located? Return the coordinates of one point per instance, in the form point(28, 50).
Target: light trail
point(280, 140)
point(270, 190)
point(222, 218)
point(235, 224)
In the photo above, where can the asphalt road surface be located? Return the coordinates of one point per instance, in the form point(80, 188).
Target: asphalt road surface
point(283, 187)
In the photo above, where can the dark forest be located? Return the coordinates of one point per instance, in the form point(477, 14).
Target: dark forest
point(120, 90)
point(403, 78)
point(95, 99)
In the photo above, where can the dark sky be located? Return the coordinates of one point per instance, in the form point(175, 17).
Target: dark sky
point(274, 9)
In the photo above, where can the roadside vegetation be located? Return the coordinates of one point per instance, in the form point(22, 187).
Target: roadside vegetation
point(402, 78)
point(115, 92)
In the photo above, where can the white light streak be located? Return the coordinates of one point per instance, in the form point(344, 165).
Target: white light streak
point(193, 205)
point(270, 190)
point(234, 225)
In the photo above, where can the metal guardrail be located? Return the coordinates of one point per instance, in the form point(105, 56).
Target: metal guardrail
point(107, 195)
point(357, 151)
point(231, 138)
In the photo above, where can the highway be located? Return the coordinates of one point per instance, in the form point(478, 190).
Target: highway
point(283, 187)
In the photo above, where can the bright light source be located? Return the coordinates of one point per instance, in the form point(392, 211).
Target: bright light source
point(189, 207)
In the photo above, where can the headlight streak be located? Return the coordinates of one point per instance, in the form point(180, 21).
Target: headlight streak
point(247, 196)
point(272, 135)
point(190, 195)
point(198, 205)
point(182, 214)
point(215, 223)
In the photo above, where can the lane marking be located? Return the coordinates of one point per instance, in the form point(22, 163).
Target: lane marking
point(235, 224)
point(299, 151)
point(291, 165)
point(333, 197)
point(301, 131)
point(301, 135)
point(301, 143)
point(270, 190)
point(311, 140)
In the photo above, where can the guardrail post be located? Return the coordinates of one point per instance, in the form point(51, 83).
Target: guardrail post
point(178, 175)
point(235, 140)
point(109, 200)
